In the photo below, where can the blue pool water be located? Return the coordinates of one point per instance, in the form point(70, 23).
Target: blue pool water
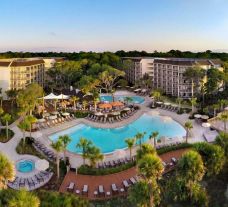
point(25, 166)
point(108, 140)
point(136, 99)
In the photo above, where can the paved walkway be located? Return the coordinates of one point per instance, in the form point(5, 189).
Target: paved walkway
point(107, 180)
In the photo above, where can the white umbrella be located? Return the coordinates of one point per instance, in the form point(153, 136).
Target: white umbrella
point(46, 114)
point(206, 125)
point(41, 120)
point(204, 117)
point(159, 102)
point(167, 103)
point(62, 96)
point(197, 116)
point(116, 113)
point(41, 165)
point(53, 117)
point(50, 96)
point(55, 112)
point(99, 114)
point(127, 109)
point(65, 114)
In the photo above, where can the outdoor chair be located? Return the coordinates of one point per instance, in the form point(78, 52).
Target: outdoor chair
point(70, 187)
point(85, 190)
point(126, 184)
point(114, 188)
point(133, 181)
point(101, 190)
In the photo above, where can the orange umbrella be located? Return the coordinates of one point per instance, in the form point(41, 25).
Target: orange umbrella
point(117, 104)
point(105, 105)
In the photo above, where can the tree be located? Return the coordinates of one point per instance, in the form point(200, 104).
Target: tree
point(224, 118)
point(188, 126)
point(94, 155)
point(96, 99)
point(139, 136)
point(195, 74)
point(31, 120)
point(151, 168)
point(84, 144)
point(130, 144)
point(222, 141)
point(58, 147)
point(12, 94)
point(1, 113)
point(6, 118)
point(190, 167)
point(193, 103)
point(128, 99)
point(108, 78)
point(156, 94)
point(213, 157)
point(65, 140)
point(146, 149)
point(74, 99)
point(179, 101)
point(7, 171)
point(23, 198)
point(139, 194)
point(23, 126)
point(153, 136)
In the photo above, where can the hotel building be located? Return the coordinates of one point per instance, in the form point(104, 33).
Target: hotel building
point(17, 73)
point(168, 73)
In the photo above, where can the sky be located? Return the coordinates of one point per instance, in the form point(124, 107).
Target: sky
point(111, 25)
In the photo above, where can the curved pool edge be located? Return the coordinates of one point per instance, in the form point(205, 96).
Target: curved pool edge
point(84, 122)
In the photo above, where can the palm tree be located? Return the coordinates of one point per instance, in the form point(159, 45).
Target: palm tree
point(179, 101)
point(139, 136)
point(96, 99)
point(222, 141)
point(188, 126)
point(7, 171)
point(74, 99)
point(146, 149)
point(193, 103)
point(84, 104)
point(156, 95)
point(65, 140)
point(58, 147)
point(130, 144)
point(23, 198)
point(1, 113)
point(31, 120)
point(55, 104)
point(128, 99)
point(23, 126)
point(150, 166)
point(94, 155)
point(6, 118)
point(153, 136)
point(224, 118)
point(84, 144)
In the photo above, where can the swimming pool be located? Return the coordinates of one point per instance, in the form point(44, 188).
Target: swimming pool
point(25, 166)
point(135, 99)
point(108, 140)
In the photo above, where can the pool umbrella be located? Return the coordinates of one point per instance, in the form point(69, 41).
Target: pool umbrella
point(204, 117)
point(65, 114)
point(99, 114)
point(117, 104)
point(116, 113)
point(197, 116)
point(41, 165)
point(206, 125)
point(53, 117)
point(46, 114)
point(105, 106)
point(167, 103)
point(41, 120)
point(55, 112)
point(127, 109)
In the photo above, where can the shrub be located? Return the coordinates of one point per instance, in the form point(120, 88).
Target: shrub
point(173, 148)
point(81, 114)
point(3, 135)
point(87, 170)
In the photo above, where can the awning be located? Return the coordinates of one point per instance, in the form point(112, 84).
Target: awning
point(62, 96)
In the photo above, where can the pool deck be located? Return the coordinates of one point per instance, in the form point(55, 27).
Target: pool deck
point(107, 180)
point(75, 159)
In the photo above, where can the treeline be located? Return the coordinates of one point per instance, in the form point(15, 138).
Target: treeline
point(121, 53)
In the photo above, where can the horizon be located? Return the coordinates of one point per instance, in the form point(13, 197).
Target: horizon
point(98, 26)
